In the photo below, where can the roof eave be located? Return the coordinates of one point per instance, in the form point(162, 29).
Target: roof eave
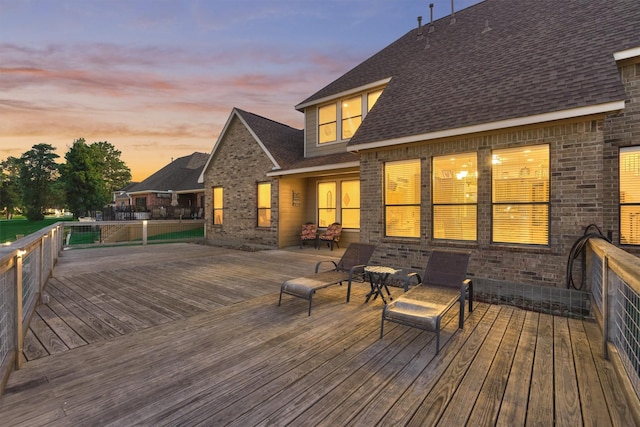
point(491, 126)
point(627, 54)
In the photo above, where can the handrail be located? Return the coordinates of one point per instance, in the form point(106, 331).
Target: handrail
point(614, 280)
point(25, 266)
point(27, 263)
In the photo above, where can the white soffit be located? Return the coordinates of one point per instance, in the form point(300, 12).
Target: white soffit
point(626, 54)
point(502, 124)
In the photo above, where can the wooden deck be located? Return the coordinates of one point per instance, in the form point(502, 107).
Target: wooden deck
point(193, 335)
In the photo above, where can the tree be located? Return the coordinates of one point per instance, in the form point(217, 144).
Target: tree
point(90, 174)
point(10, 194)
point(115, 172)
point(38, 171)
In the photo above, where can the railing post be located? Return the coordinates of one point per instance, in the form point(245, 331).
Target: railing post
point(605, 307)
point(18, 313)
point(42, 280)
point(144, 232)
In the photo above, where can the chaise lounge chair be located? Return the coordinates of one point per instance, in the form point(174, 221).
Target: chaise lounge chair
point(350, 267)
point(444, 283)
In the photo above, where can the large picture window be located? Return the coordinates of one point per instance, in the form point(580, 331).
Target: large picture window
point(630, 196)
point(326, 203)
point(217, 205)
point(455, 189)
point(520, 195)
point(402, 198)
point(350, 204)
point(264, 204)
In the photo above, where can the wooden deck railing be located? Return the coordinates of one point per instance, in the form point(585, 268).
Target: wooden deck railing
point(141, 232)
point(27, 263)
point(25, 266)
point(614, 279)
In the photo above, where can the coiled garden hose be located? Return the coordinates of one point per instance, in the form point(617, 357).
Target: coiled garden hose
point(578, 248)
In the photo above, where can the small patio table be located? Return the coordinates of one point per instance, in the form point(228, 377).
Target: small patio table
point(378, 276)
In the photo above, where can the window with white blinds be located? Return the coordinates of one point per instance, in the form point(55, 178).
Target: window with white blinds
point(520, 195)
point(402, 198)
point(630, 195)
point(455, 200)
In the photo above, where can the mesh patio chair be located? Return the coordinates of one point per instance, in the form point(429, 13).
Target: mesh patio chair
point(331, 235)
point(308, 233)
point(350, 267)
point(443, 284)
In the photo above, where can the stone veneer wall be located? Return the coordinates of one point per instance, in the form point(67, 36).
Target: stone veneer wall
point(239, 164)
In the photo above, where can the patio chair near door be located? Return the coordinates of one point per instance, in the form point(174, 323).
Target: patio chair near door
point(349, 268)
point(332, 235)
point(309, 233)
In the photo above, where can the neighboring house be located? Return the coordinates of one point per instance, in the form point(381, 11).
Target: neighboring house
point(504, 130)
point(172, 192)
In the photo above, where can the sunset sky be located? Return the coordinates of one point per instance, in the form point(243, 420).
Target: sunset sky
point(158, 78)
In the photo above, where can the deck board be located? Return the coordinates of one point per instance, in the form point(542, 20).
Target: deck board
point(193, 335)
point(567, 402)
point(487, 406)
point(541, 399)
point(512, 410)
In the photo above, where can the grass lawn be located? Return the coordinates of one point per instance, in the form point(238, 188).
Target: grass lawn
point(10, 228)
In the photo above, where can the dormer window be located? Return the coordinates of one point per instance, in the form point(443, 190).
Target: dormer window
point(351, 116)
point(344, 121)
point(327, 123)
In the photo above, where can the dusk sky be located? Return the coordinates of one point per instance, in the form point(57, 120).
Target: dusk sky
point(158, 78)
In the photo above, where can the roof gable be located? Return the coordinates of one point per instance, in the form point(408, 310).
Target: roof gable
point(282, 144)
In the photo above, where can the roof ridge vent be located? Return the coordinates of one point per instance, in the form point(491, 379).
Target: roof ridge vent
point(487, 28)
point(431, 27)
point(419, 27)
point(453, 14)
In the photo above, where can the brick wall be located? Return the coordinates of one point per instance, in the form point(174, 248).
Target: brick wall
point(621, 130)
point(576, 198)
point(238, 165)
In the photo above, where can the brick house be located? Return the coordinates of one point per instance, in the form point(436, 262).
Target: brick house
point(171, 192)
point(504, 130)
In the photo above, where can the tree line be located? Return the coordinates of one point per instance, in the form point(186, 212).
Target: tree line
point(85, 182)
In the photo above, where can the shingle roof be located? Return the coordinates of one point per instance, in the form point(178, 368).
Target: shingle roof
point(283, 142)
point(538, 57)
point(179, 175)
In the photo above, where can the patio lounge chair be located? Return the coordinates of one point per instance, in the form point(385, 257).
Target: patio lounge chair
point(308, 233)
point(332, 234)
point(350, 267)
point(444, 283)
